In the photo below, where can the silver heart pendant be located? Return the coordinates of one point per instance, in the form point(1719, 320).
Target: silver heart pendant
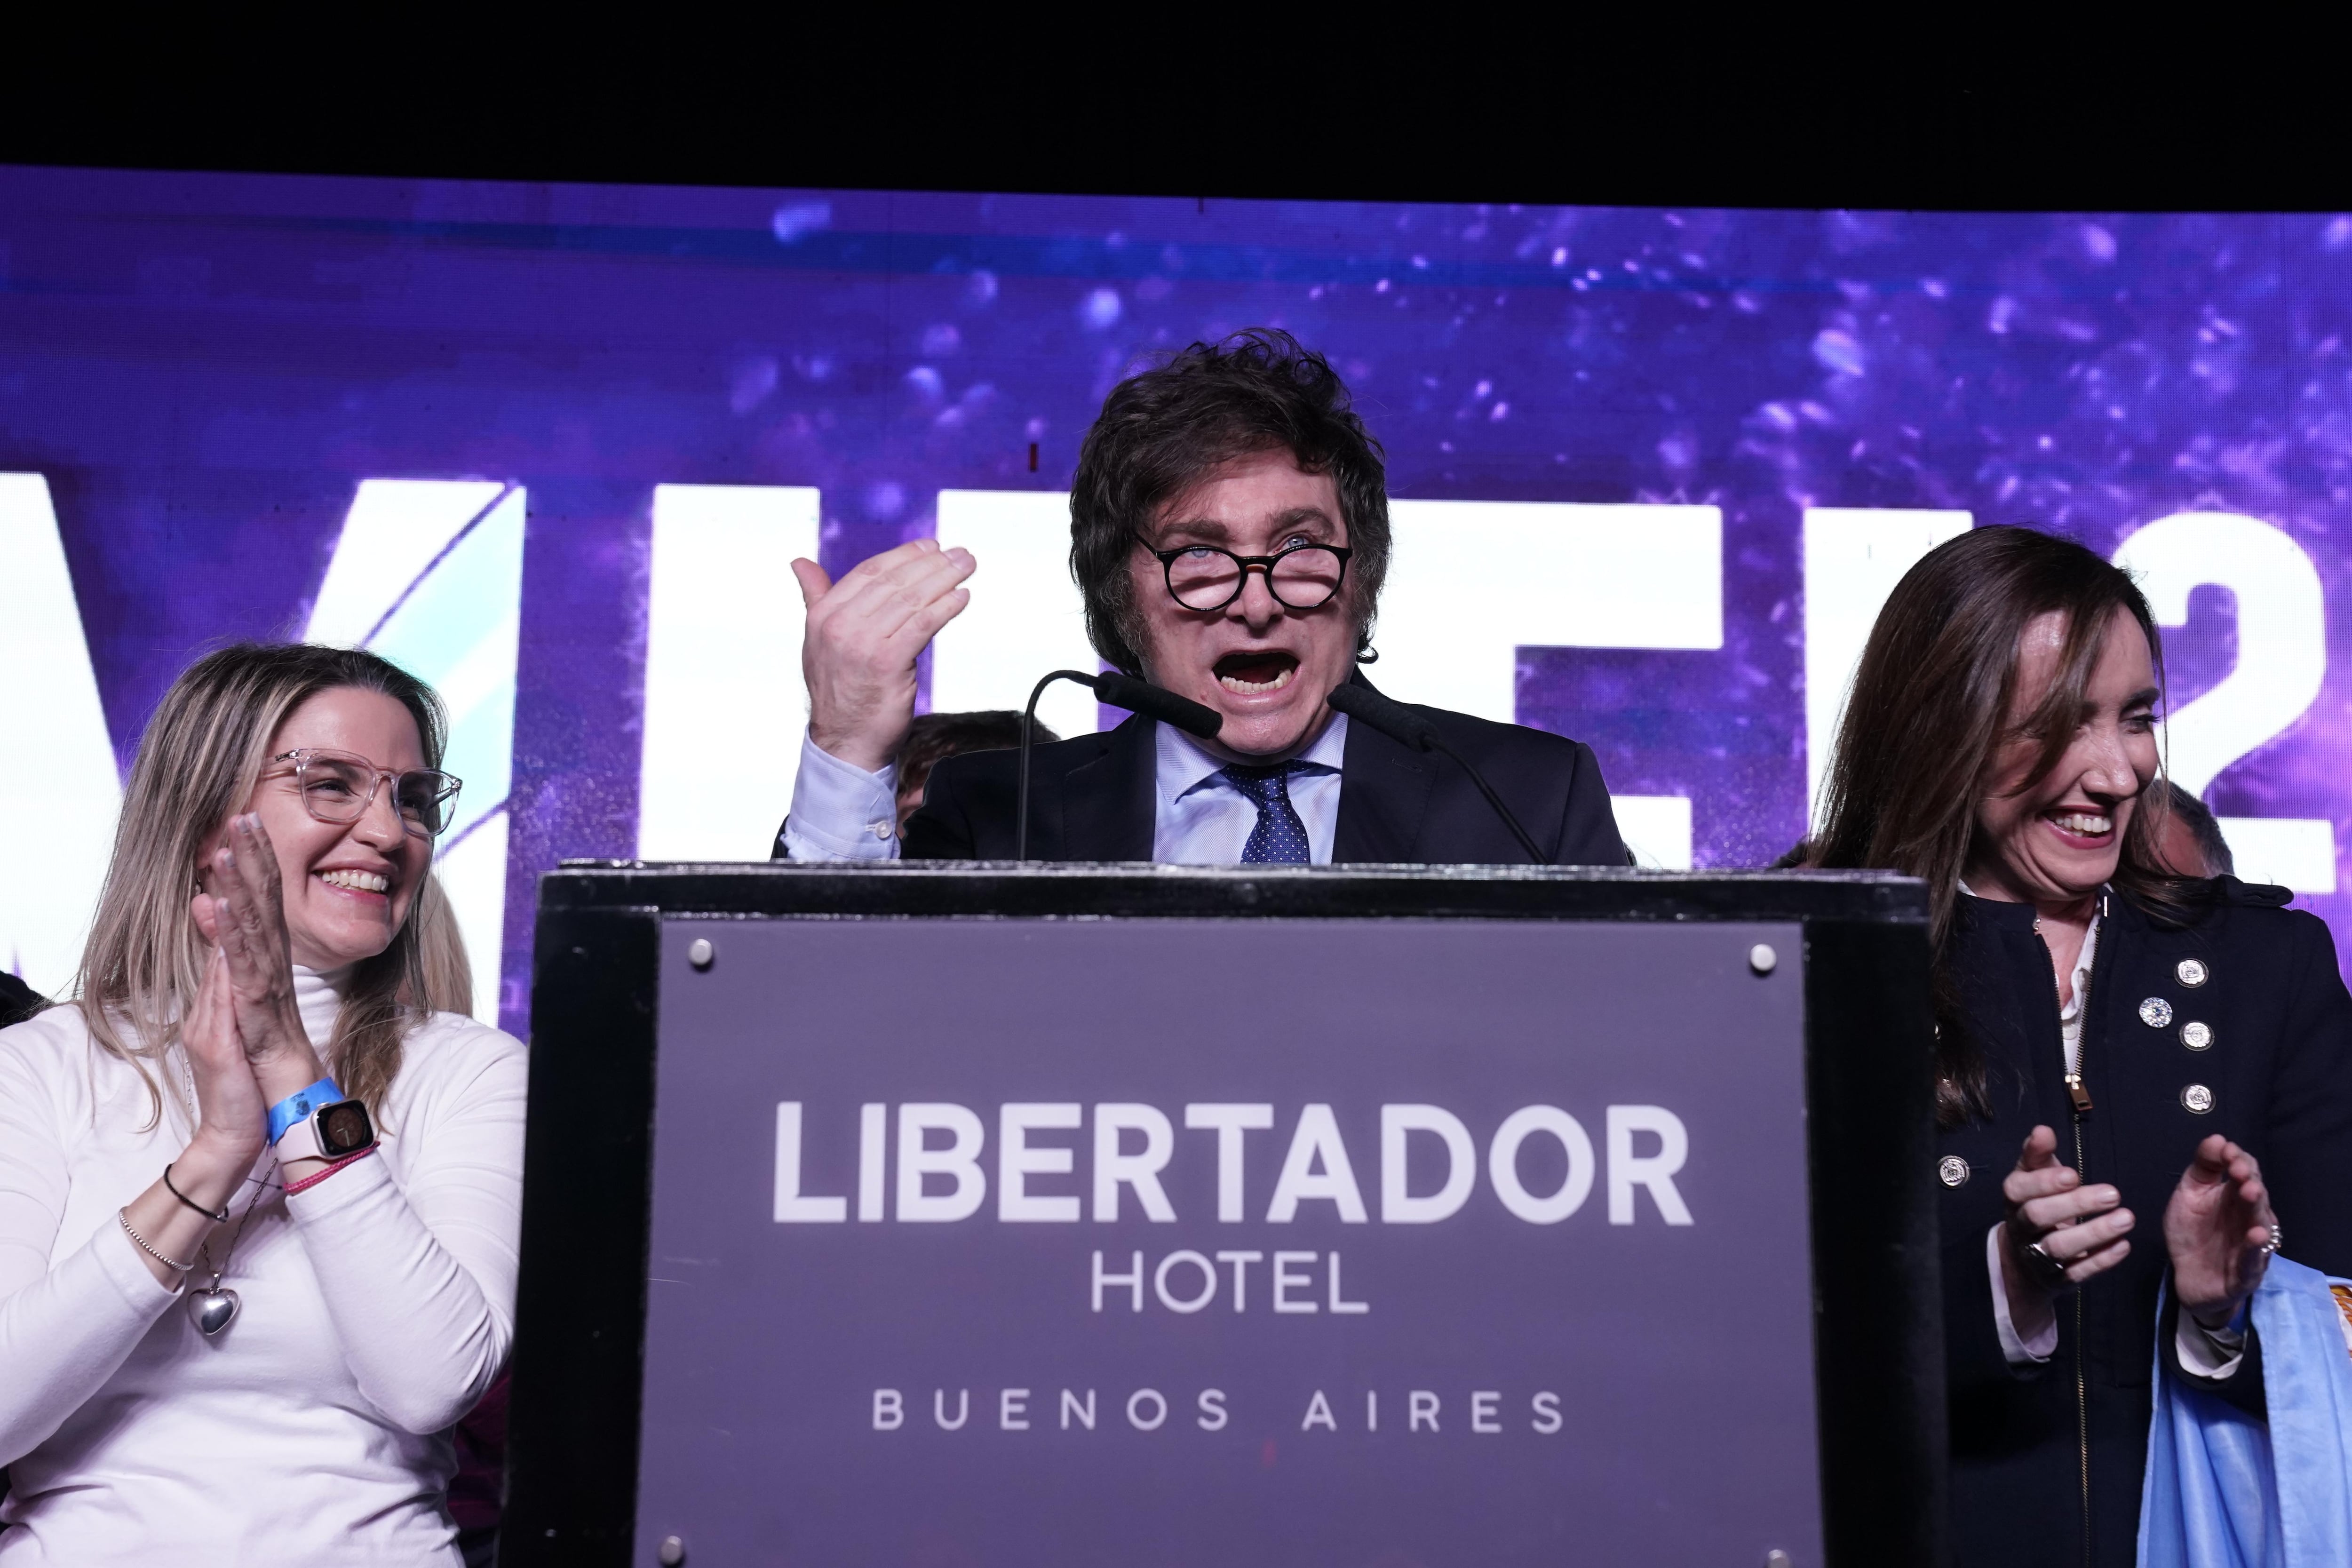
point(212, 1310)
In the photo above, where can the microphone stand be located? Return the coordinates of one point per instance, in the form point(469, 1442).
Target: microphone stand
point(1028, 739)
point(1407, 728)
point(1120, 691)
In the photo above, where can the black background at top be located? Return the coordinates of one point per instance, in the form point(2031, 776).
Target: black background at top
point(1884, 108)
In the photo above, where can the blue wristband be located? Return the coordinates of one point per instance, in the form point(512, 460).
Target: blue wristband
point(298, 1105)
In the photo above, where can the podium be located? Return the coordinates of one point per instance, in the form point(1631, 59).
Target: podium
point(987, 1215)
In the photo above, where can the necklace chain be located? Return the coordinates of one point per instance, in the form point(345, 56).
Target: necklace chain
point(261, 1181)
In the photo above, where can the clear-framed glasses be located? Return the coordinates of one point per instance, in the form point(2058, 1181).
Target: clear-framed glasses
point(337, 786)
point(1204, 577)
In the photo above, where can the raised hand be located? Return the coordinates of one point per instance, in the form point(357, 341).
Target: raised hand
point(2218, 1228)
point(2081, 1231)
point(231, 1114)
point(243, 913)
point(863, 636)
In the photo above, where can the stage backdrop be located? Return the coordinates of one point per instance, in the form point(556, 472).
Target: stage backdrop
point(554, 447)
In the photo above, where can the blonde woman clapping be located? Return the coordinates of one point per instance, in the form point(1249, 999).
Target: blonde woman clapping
point(259, 1192)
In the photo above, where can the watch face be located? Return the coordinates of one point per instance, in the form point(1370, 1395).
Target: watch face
point(345, 1129)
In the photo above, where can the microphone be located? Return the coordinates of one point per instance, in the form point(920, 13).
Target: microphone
point(1407, 728)
point(1119, 691)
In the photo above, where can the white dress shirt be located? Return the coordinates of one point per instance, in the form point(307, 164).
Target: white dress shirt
point(1198, 818)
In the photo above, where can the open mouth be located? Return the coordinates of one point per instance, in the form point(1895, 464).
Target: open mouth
point(2087, 828)
point(1254, 673)
point(357, 881)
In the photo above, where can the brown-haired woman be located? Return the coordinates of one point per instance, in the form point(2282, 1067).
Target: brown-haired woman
point(2114, 1041)
point(256, 1087)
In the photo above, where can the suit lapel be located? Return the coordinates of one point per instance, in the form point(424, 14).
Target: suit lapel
point(1383, 794)
point(1108, 809)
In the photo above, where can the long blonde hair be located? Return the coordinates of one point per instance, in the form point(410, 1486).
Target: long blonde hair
point(198, 763)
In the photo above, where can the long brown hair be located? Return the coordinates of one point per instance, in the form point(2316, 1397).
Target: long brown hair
point(1925, 723)
point(198, 762)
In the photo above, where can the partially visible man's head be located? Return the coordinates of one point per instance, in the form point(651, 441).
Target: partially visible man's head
point(1250, 446)
point(2189, 842)
point(933, 738)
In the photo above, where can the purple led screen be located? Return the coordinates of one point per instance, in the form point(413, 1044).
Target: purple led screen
point(206, 369)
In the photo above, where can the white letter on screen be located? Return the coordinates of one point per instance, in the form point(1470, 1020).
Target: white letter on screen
point(723, 620)
point(1853, 558)
point(1141, 1170)
point(1016, 1162)
point(1025, 616)
point(1628, 1170)
point(1230, 1121)
point(1474, 581)
point(1398, 1207)
point(1656, 828)
point(792, 1207)
point(1316, 1141)
point(58, 791)
point(889, 1410)
point(1503, 1163)
point(429, 574)
point(959, 1161)
point(2282, 621)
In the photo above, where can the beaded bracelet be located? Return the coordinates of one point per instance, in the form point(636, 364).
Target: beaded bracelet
point(173, 1264)
point(315, 1178)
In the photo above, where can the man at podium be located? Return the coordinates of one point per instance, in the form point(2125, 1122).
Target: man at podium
point(1230, 532)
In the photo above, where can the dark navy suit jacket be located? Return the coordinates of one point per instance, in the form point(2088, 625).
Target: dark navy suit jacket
point(2044, 1457)
point(1095, 798)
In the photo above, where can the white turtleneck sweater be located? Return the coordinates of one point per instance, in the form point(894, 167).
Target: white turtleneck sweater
point(376, 1307)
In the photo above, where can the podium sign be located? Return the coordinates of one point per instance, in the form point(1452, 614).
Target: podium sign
point(1221, 1237)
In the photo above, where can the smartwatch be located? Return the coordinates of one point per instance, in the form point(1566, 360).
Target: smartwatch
point(331, 1132)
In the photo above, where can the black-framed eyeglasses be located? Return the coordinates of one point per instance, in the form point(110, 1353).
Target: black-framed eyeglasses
point(337, 786)
point(1205, 577)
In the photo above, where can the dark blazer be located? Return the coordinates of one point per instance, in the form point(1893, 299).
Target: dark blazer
point(1094, 798)
point(2279, 1068)
point(18, 1001)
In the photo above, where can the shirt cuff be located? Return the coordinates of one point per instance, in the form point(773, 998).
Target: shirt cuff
point(2018, 1351)
point(840, 812)
point(2206, 1352)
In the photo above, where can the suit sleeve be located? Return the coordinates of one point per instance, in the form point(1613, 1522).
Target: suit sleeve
point(941, 829)
point(2307, 1155)
point(1587, 828)
point(1973, 1352)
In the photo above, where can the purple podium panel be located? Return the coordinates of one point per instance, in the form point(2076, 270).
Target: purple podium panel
point(1023, 1244)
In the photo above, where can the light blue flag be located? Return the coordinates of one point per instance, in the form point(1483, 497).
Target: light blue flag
point(2225, 1490)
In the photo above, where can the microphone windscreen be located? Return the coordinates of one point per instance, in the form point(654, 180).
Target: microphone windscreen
point(1154, 702)
point(1394, 719)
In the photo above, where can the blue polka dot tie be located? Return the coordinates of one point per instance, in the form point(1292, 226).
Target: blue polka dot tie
point(1280, 837)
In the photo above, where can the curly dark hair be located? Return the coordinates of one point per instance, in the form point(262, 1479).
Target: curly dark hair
point(1162, 431)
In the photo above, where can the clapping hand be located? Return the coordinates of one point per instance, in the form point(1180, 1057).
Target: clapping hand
point(2220, 1230)
point(2059, 1232)
point(243, 914)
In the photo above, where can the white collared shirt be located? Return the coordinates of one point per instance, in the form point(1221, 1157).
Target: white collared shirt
point(844, 813)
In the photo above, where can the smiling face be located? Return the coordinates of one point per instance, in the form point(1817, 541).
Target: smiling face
point(1265, 667)
point(2057, 839)
point(348, 885)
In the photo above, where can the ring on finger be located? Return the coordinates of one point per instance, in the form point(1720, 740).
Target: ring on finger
point(2049, 1272)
